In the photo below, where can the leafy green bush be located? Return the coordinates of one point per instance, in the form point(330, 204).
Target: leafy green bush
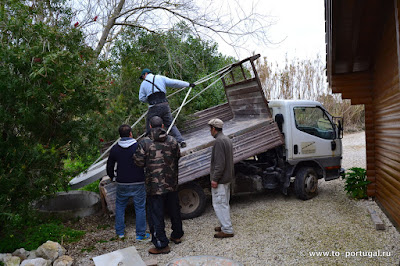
point(93, 187)
point(356, 182)
point(52, 91)
point(73, 167)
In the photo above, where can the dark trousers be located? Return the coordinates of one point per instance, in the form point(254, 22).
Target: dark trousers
point(164, 112)
point(158, 205)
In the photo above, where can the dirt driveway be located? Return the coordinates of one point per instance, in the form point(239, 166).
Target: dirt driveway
point(271, 229)
point(354, 150)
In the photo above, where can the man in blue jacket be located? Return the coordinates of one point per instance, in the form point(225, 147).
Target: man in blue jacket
point(153, 91)
point(130, 183)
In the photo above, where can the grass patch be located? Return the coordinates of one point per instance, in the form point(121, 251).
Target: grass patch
point(31, 236)
point(89, 249)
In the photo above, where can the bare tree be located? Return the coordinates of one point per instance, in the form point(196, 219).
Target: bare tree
point(233, 22)
point(296, 79)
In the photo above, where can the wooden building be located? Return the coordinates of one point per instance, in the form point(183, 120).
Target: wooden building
point(363, 64)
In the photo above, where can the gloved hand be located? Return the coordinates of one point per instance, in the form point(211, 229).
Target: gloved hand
point(192, 85)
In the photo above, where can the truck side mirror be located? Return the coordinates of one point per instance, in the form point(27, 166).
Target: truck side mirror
point(338, 121)
point(279, 120)
point(340, 129)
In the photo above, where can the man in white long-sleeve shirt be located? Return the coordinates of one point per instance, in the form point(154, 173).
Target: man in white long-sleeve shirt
point(153, 91)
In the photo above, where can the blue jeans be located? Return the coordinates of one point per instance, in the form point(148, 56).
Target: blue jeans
point(159, 205)
point(124, 192)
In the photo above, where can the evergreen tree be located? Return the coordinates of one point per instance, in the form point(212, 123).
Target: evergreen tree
point(50, 94)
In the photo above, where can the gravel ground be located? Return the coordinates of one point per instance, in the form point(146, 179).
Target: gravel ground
point(270, 229)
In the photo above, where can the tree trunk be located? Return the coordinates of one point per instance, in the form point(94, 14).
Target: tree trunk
point(108, 27)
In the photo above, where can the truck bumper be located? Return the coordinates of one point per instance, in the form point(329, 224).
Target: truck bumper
point(333, 174)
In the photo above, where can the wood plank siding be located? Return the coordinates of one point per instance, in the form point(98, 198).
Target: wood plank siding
point(386, 116)
point(370, 34)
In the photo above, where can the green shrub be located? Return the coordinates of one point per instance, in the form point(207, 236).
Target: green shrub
point(73, 167)
point(356, 182)
point(93, 187)
point(52, 93)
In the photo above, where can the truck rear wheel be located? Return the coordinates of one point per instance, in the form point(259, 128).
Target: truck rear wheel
point(306, 183)
point(192, 200)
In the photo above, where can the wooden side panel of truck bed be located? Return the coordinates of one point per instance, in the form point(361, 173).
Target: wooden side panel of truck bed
point(247, 121)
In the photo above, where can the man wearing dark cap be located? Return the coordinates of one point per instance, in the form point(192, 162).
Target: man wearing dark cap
point(153, 91)
point(221, 175)
point(159, 154)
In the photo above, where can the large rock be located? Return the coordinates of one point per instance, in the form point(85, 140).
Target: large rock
point(4, 256)
point(21, 253)
point(50, 251)
point(36, 262)
point(12, 261)
point(32, 255)
point(63, 261)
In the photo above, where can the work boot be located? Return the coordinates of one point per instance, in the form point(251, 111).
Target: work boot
point(217, 229)
point(222, 235)
point(183, 144)
point(176, 240)
point(156, 251)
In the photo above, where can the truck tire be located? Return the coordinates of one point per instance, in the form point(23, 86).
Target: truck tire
point(306, 183)
point(192, 200)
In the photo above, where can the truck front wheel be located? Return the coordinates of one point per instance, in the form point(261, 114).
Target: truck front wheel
point(192, 200)
point(306, 183)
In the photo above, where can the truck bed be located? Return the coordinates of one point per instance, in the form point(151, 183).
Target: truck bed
point(202, 138)
point(247, 121)
point(250, 136)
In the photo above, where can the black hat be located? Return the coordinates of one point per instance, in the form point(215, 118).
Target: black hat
point(144, 71)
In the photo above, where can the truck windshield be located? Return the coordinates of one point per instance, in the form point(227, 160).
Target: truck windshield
point(314, 121)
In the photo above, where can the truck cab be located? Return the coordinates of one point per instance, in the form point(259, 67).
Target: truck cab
point(310, 133)
point(312, 143)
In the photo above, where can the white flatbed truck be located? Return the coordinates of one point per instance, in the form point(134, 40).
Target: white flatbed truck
point(277, 143)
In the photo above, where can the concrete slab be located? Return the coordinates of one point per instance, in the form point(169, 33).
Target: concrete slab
point(127, 256)
point(204, 260)
point(379, 225)
point(71, 204)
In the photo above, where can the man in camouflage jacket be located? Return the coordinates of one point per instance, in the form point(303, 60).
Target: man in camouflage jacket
point(159, 154)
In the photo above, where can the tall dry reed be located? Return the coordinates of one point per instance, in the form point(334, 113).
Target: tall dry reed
point(305, 79)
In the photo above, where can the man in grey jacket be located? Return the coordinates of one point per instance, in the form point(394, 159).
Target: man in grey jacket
point(221, 175)
point(153, 91)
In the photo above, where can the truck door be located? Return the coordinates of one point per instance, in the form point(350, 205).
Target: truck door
point(314, 135)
